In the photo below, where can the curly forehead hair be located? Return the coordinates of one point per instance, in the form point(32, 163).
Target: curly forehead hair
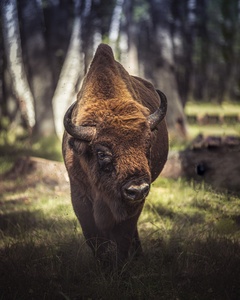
point(128, 114)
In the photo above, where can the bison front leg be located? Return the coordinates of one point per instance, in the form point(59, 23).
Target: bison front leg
point(125, 235)
point(136, 247)
point(83, 209)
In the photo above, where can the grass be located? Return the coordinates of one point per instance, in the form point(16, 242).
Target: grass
point(13, 145)
point(10, 151)
point(190, 237)
point(219, 130)
point(201, 108)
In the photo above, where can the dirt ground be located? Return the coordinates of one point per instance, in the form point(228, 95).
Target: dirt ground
point(31, 171)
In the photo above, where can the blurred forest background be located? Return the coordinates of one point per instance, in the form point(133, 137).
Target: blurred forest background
point(189, 49)
point(190, 225)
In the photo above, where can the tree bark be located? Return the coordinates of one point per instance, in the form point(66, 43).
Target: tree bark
point(38, 66)
point(72, 71)
point(58, 19)
point(132, 65)
point(2, 67)
point(160, 68)
point(182, 33)
point(115, 25)
point(13, 53)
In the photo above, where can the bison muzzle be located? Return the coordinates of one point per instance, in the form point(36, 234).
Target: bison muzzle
point(115, 144)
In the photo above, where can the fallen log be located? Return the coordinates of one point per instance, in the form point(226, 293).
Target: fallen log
point(214, 160)
point(31, 171)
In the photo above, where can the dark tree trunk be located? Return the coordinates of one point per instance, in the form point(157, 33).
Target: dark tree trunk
point(159, 66)
point(89, 22)
point(38, 65)
point(182, 31)
point(2, 67)
point(228, 25)
point(58, 17)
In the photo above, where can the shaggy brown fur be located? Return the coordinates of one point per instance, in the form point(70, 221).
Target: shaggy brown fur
point(124, 151)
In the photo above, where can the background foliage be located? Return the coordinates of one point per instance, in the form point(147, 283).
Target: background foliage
point(190, 49)
point(190, 233)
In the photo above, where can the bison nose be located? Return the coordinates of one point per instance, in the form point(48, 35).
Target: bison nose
point(135, 192)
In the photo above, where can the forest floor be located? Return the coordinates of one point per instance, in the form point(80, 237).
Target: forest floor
point(190, 235)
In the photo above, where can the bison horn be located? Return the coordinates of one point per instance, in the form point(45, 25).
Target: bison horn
point(80, 132)
point(155, 118)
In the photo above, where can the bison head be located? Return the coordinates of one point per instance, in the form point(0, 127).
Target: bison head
point(112, 153)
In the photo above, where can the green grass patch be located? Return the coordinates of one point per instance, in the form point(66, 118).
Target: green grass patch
point(202, 108)
point(211, 130)
point(16, 141)
point(45, 147)
point(190, 237)
point(6, 163)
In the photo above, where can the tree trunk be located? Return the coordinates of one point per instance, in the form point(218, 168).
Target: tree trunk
point(87, 33)
point(132, 65)
point(164, 79)
point(182, 33)
point(115, 25)
point(2, 67)
point(38, 66)
point(160, 68)
point(58, 19)
point(72, 71)
point(13, 53)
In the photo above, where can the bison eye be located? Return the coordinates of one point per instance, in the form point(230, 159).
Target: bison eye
point(105, 161)
point(102, 155)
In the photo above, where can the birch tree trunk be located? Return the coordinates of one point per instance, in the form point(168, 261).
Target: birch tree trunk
point(13, 52)
point(72, 71)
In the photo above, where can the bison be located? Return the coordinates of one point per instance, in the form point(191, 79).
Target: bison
point(114, 145)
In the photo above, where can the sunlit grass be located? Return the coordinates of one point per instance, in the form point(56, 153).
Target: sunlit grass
point(189, 204)
point(189, 232)
point(220, 130)
point(190, 236)
point(16, 141)
point(201, 108)
point(6, 163)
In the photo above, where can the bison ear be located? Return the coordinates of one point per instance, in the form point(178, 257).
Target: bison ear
point(155, 118)
point(85, 133)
